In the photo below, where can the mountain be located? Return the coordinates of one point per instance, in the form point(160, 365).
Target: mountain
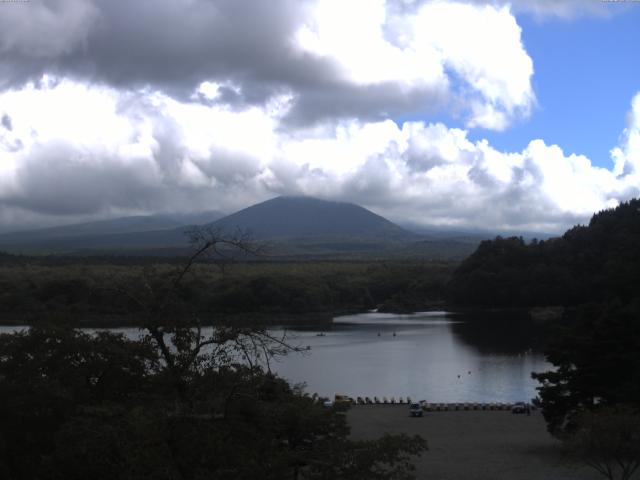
point(123, 231)
point(312, 218)
point(101, 227)
point(294, 227)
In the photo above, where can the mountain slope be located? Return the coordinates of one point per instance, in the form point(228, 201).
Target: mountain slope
point(123, 231)
point(101, 227)
point(593, 263)
point(305, 217)
point(294, 227)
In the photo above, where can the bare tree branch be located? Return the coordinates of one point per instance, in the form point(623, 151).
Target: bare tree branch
point(179, 337)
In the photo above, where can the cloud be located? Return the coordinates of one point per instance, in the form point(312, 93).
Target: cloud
point(44, 30)
point(431, 174)
point(333, 61)
point(438, 52)
point(564, 9)
point(115, 152)
point(112, 151)
point(627, 156)
point(113, 108)
point(5, 121)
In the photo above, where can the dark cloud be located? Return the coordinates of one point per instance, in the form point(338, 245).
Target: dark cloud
point(246, 45)
point(170, 45)
point(58, 179)
point(373, 102)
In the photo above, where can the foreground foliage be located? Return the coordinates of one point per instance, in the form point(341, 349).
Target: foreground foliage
point(608, 440)
point(177, 403)
point(597, 360)
point(77, 406)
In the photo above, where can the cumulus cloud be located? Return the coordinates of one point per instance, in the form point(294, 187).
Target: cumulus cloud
point(627, 155)
point(358, 59)
point(112, 150)
point(119, 151)
point(113, 108)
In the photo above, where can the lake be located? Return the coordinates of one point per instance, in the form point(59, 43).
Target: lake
point(434, 356)
point(430, 356)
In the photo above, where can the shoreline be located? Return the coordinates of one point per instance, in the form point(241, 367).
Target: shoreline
point(320, 319)
point(281, 319)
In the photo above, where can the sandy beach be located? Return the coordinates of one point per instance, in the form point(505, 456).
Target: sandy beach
point(474, 445)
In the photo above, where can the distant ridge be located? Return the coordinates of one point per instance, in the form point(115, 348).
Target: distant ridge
point(99, 227)
point(293, 228)
point(307, 217)
point(104, 233)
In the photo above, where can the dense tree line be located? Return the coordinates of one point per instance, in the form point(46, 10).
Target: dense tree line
point(92, 293)
point(596, 352)
point(594, 263)
point(591, 399)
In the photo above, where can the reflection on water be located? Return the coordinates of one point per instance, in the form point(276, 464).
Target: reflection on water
point(430, 356)
point(426, 356)
point(491, 332)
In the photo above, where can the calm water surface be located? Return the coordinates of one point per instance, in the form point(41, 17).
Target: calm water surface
point(428, 356)
point(431, 356)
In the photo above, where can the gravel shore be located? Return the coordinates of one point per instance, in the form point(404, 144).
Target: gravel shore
point(474, 445)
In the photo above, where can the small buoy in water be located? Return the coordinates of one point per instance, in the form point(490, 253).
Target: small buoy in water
point(458, 376)
point(394, 334)
point(469, 372)
point(378, 333)
point(308, 347)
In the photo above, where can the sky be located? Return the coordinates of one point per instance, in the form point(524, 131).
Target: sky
point(483, 114)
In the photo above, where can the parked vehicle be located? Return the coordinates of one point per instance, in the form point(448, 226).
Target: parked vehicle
point(415, 410)
point(519, 407)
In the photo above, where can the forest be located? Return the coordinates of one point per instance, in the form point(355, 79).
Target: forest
point(90, 291)
point(598, 262)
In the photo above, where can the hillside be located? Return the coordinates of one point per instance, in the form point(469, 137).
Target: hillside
point(594, 263)
point(157, 230)
point(309, 228)
point(306, 217)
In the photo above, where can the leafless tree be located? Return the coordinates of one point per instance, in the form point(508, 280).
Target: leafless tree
point(175, 327)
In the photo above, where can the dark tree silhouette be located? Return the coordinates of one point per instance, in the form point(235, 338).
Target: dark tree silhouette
point(608, 441)
point(178, 403)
